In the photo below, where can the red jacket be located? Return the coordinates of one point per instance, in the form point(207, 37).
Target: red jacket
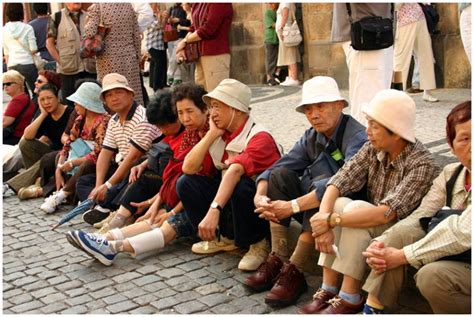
point(212, 22)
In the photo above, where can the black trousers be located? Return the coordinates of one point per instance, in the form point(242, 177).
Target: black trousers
point(158, 67)
point(68, 83)
point(238, 220)
point(284, 184)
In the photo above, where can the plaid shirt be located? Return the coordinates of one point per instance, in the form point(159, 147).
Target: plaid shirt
point(154, 36)
point(400, 184)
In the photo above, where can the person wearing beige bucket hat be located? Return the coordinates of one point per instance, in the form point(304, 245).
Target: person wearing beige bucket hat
point(80, 152)
point(294, 186)
point(129, 135)
point(397, 170)
point(223, 206)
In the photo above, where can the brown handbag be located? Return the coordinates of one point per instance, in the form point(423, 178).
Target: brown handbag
point(191, 51)
point(170, 34)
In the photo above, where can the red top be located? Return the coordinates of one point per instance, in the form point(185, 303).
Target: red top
point(212, 22)
point(14, 108)
point(261, 152)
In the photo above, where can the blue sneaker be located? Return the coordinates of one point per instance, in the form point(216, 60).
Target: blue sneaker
point(73, 239)
point(97, 246)
point(369, 310)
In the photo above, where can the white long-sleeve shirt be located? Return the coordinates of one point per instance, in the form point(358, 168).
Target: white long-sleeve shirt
point(17, 53)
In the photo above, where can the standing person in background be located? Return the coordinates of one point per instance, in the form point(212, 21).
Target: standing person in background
point(271, 44)
point(40, 26)
point(122, 44)
point(63, 43)
point(465, 27)
point(287, 56)
point(412, 36)
point(187, 70)
point(369, 71)
point(156, 50)
point(210, 28)
point(19, 43)
point(175, 17)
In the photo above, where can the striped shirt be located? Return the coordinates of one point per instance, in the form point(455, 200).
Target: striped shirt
point(135, 131)
point(400, 184)
point(449, 237)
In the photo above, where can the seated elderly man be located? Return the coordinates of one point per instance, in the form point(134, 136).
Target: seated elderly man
point(241, 148)
point(442, 256)
point(397, 170)
point(294, 187)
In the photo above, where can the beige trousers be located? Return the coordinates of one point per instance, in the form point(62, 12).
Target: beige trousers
point(369, 73)
point(445, 284)
point(351, 242)
point(415, 38)
point(211, 70)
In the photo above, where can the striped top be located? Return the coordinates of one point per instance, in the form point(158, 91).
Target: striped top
point(135, 130)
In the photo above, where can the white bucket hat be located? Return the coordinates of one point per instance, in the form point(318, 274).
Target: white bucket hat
point(88, 96)
point(319, 89)
point(114, 80)
point(395, 110)
point(231, 92)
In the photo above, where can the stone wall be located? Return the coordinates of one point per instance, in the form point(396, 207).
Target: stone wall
point(322, 57)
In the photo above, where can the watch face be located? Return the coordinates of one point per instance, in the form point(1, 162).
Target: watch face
point(338, 220)
point(214, 205)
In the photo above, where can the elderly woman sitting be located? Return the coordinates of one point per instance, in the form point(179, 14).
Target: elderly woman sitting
point(443, 277)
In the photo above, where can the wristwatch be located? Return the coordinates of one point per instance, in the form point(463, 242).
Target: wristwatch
point(215, 205)
point(337, 220)
point(294, 206)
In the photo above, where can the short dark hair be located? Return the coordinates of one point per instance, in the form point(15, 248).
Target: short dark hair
point(161, 110)
point(40, 8)
point(15, 12)
point(460, 114)
point(192, 92)
point(50, 87)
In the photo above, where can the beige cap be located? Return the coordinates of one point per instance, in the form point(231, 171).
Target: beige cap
point(112, 81)
point(395, 110)
point(319, 89)
point(231, 92)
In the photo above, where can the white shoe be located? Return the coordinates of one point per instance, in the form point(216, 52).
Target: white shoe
point(290, 82)
point(52, 202)
point(256, 255)
point(428, 97)
point(214, 246)
point(100, 224)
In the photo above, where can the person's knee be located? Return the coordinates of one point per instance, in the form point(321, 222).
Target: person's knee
point(183, 188)
point(429, 278)
point(25, 145)
point(357, 204)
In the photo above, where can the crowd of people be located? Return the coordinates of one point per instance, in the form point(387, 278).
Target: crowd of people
point(192, 161)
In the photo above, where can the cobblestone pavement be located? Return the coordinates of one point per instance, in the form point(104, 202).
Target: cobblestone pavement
point(42, 273)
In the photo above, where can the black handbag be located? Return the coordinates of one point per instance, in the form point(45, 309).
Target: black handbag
point(159, 155)
point(429, 223)
point(370, 33)
point(431, 17)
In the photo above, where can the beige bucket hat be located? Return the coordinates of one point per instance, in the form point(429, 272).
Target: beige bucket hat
point(319, 89)
point(231, 92)
point(112, 81)
point(395, 110)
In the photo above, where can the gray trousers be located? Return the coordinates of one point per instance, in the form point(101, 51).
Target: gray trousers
point(271, 56)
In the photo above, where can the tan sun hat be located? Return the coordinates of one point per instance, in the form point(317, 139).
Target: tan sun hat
point(231, 92)
point(395, 110)
point(112, 81)
point(319, 89)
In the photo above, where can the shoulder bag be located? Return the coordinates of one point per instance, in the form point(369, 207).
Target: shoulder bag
point(79, 148)
point(370, 33)
point(191, 50)
point(8, 131)
point(431, 17)
point(94, 46)
point(170, 34)
point(429, 223)
point(159, 155)
point(291, 33)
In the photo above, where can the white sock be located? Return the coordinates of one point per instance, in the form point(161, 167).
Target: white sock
point(117, 234)
point(61, 195)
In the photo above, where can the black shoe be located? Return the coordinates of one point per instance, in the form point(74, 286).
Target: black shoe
point(272, 82)
point(93, 216)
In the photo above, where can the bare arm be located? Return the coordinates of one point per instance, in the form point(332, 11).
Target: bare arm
point(7, 121)
point(51, 46)
point(32, 128)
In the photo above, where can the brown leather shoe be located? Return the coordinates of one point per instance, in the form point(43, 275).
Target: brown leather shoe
point(266, 274)
point(288, 288)
point(339, 306)
point(320, 301)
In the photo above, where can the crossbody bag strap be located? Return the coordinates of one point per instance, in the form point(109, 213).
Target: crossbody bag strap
point(22, 112)
point(293, 15)
point(450, 185)
point(349, 12)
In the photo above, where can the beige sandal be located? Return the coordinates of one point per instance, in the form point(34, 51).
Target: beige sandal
point(32, 191)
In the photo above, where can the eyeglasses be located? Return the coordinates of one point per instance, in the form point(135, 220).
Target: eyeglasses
point(39, 81)
point(8, 84)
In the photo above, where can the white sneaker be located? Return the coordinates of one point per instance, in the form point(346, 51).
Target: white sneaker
point(214, 246)
point(256, 255)
point(290, 82)
point(52, 202)
point(428, 97)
